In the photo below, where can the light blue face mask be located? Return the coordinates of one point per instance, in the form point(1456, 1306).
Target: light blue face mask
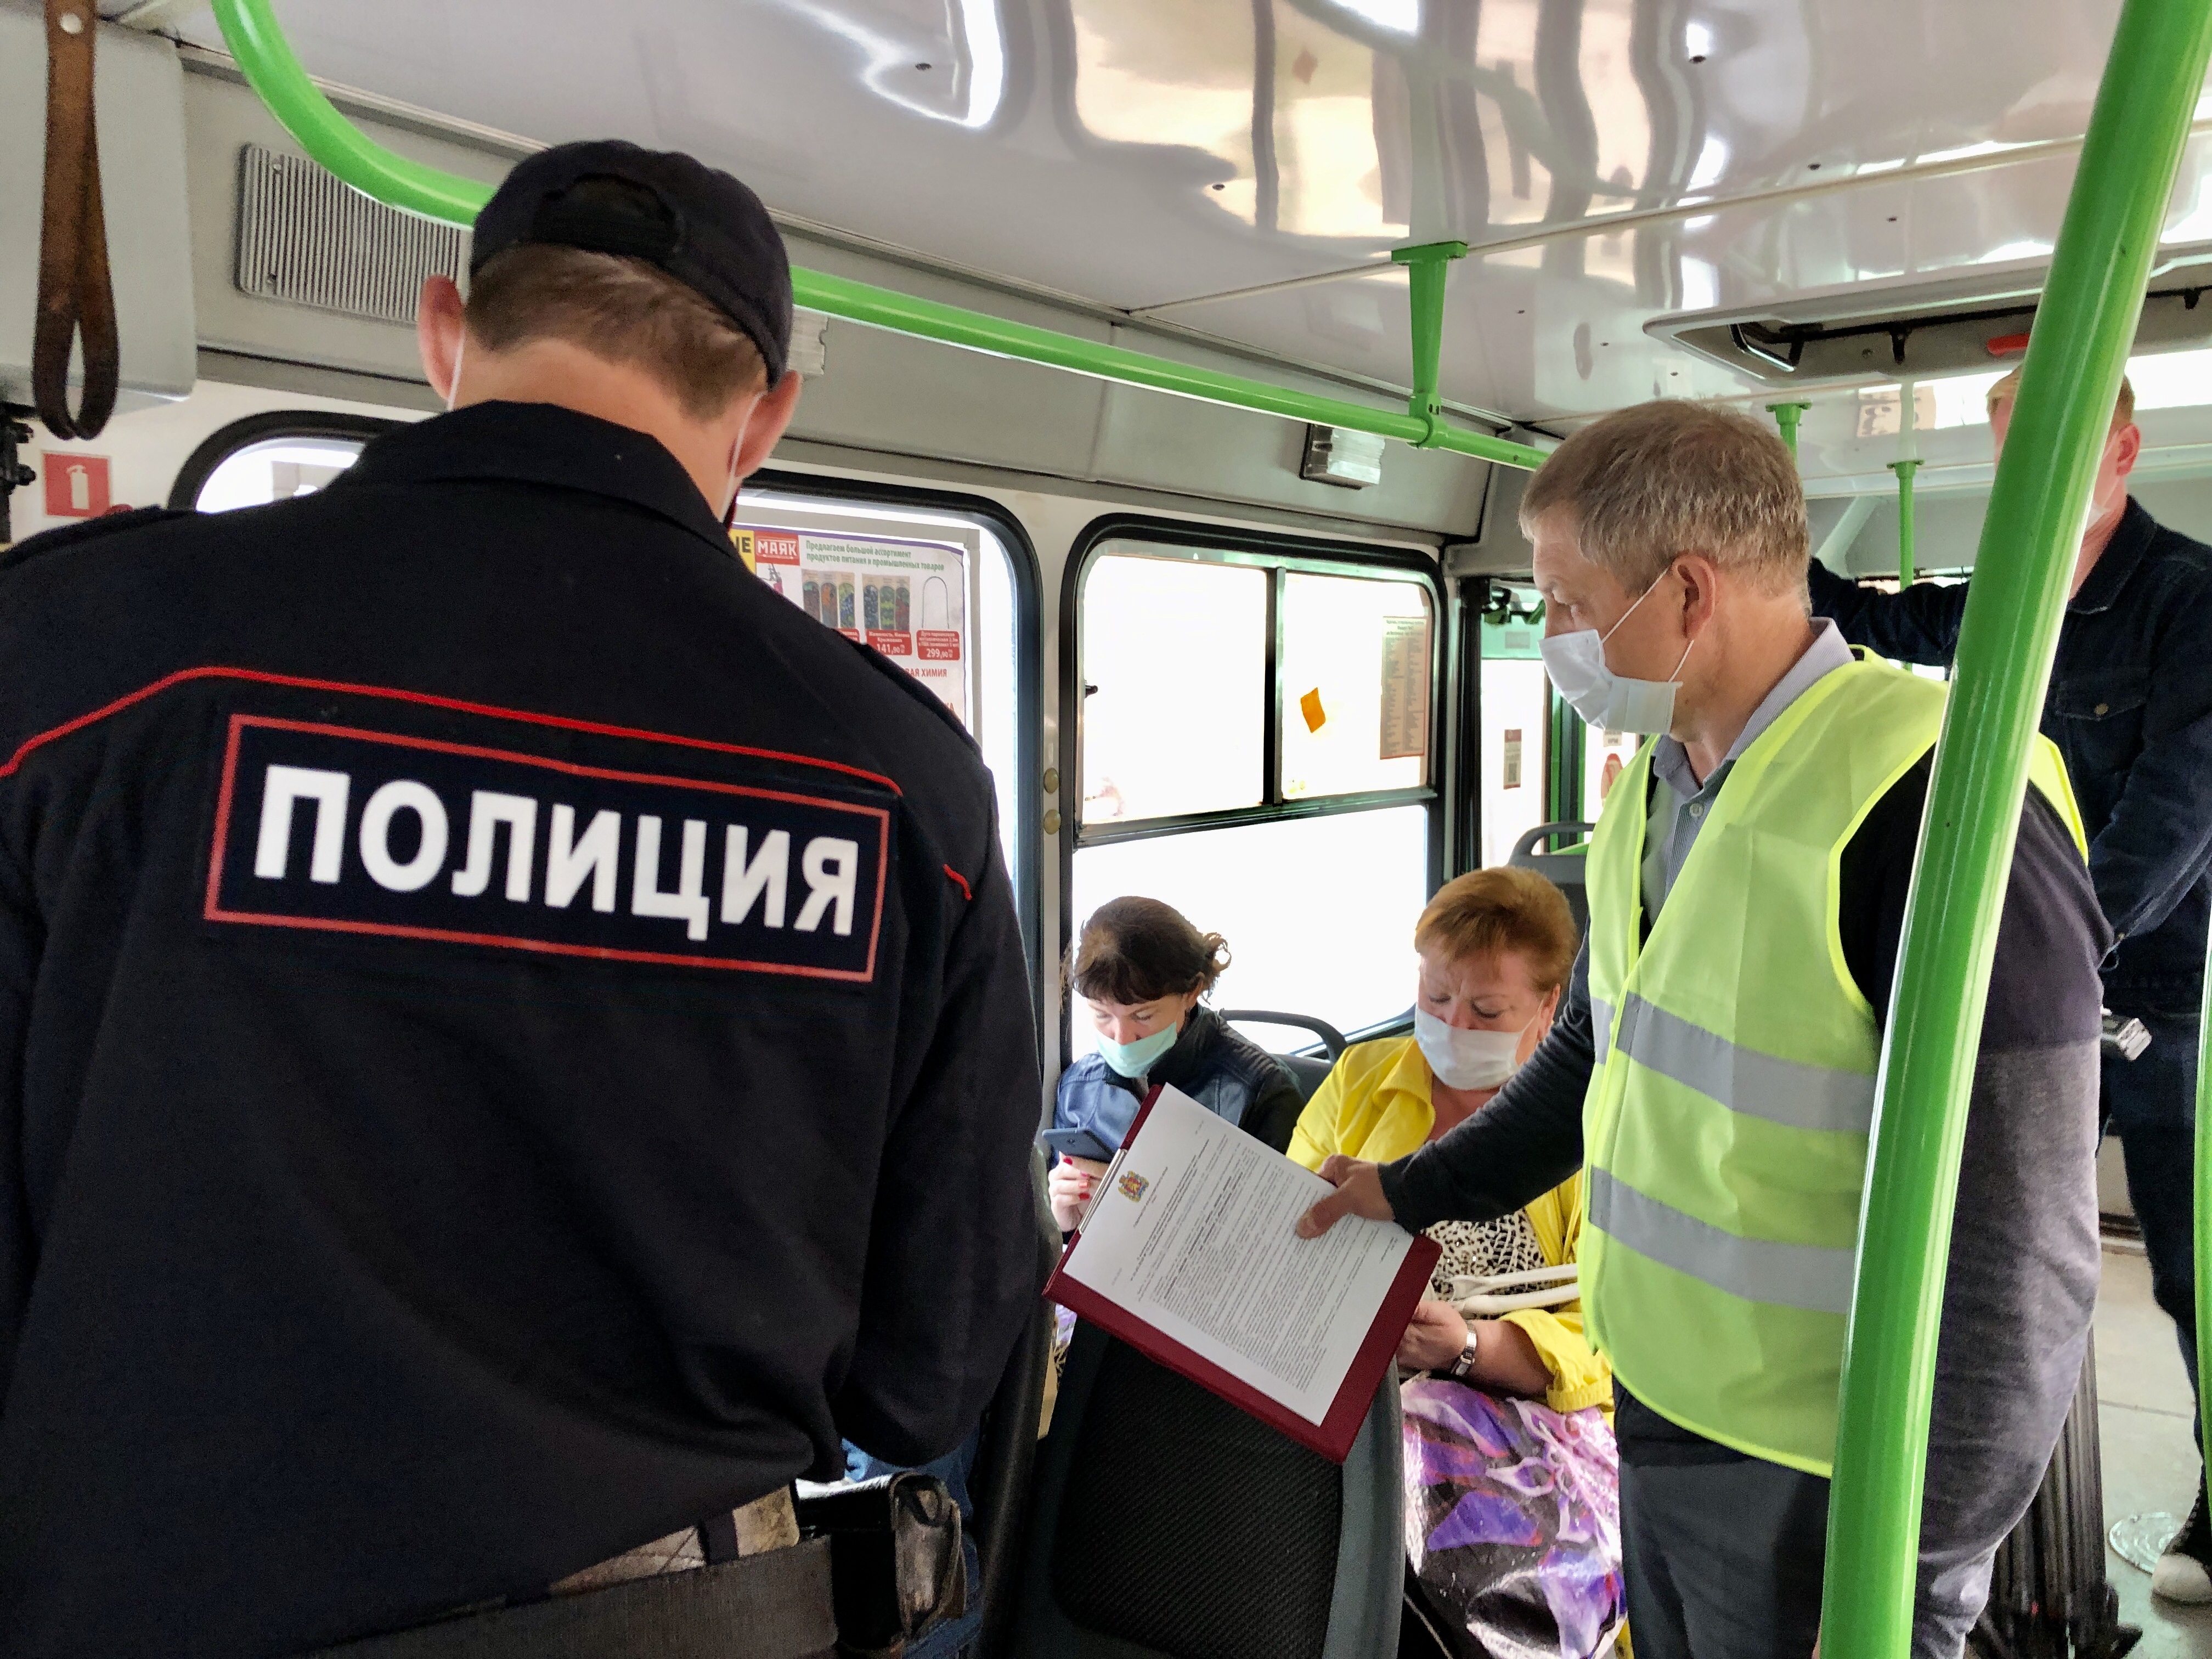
point(1136, 1059)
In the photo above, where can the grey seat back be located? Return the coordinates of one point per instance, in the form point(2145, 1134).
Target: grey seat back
point(1565, 868)
point(1168, 1524)
point(1307, 1071)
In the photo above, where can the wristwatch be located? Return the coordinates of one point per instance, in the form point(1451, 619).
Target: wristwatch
point(1464, 1365)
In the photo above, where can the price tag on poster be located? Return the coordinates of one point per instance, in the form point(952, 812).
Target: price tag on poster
point(906, 597)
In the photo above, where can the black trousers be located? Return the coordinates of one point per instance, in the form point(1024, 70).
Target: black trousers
point(1723, 1560)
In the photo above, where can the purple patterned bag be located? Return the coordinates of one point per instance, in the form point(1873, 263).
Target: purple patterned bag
point(1513, 1522)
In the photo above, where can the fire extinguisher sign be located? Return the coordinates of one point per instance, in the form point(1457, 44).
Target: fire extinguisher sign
point(77, 485)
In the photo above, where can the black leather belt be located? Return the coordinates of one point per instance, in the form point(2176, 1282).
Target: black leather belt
point(773, 1606)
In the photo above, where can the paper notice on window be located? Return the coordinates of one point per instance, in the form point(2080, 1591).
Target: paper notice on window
point(1405, 687)
point(1193, 1231)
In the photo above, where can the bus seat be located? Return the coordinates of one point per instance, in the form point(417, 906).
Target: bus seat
point(1306, 1070)
point(1563, 868)
point(1170, 1525)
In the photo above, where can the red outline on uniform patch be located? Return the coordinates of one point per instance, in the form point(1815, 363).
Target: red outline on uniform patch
point(429, 700)
point(212, 911)
point(966, 891)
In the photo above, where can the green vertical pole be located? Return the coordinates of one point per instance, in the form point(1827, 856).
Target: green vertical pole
point(1786, 416)
point(2084, 326)
point(1905, 470)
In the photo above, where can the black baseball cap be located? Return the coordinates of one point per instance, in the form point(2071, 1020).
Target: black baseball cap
point(696, 222)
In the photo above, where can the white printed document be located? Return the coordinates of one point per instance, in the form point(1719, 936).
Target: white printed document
point(1193, 1238)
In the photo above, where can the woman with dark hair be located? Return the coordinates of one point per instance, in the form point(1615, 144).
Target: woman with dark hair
point(1137, 975)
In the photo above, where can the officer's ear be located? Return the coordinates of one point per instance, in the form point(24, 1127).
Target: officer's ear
point(764, 427)
point(439, 326)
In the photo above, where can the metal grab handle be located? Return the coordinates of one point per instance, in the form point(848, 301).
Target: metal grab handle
point(1525, 846)
point(1331, 1039)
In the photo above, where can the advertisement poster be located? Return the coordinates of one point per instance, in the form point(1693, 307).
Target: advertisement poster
point(908, 600)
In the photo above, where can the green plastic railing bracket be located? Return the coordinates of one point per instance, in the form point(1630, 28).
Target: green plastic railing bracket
point(2083, 328)
point(1786, 416)
point(276, 75)
point(1426, 268)
point(1905, 470)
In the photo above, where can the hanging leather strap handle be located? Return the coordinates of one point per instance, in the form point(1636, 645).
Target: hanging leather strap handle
point(75, 297)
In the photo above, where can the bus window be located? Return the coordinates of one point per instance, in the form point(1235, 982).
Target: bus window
point(271, 458)
point(1255, 742)
point(935, 590)
point(1516, 727)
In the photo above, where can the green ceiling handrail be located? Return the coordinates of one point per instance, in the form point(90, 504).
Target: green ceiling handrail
point(2030, 538)
point(274, 73)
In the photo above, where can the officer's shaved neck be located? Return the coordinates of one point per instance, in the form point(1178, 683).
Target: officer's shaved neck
point(561, 373)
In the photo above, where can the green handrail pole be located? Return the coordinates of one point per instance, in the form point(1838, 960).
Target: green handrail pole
point(2084, 326)
point(1905, 470)
point(2203, 1213)
point(1786, 416)
point(249, 28)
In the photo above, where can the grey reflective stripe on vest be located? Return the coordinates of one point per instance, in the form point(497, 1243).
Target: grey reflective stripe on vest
point(1784, 1091)
point(1601, 1028)
point(1758, 1270)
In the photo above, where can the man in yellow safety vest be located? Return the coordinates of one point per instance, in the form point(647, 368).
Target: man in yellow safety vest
point(1715, 1066)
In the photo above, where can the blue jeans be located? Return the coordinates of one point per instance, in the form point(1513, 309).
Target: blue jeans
point(2151, 1103)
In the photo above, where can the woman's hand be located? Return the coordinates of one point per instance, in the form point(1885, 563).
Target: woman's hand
point(1359, 1192)
point(1069, 1187)
point(1434, 1338)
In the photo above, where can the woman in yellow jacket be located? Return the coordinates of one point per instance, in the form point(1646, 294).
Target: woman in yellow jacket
point(1510, 1469)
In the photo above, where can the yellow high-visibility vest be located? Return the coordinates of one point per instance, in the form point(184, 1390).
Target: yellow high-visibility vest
point(1726, 1122)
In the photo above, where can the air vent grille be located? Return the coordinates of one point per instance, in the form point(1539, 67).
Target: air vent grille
point(307, 238)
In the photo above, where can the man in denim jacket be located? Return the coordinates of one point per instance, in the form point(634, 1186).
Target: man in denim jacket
point(2130, 708)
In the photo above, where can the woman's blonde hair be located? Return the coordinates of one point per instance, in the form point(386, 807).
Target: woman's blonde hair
point(1491, 912)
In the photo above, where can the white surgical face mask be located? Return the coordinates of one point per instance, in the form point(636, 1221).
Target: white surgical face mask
point(1610, 702)
point(1467, 1060)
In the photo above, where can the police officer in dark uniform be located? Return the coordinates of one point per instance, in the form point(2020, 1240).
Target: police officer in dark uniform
point(513, 1039)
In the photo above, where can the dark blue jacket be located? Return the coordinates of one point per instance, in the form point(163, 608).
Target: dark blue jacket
point(1215, 1066)
point(2130, 708)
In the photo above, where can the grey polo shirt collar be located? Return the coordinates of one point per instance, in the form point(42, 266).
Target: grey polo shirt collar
point(1680, 803)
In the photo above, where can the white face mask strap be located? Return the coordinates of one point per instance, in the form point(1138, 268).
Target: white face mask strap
point(453, 386)
point(1631, 612)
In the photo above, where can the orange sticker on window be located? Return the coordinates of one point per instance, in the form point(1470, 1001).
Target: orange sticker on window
point(1310, 706)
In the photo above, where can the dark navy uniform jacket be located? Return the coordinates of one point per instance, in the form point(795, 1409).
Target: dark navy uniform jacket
point(2130, 708)
point(512, 1039)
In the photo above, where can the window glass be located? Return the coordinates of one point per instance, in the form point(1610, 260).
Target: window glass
point(1604, 755)
point(933, 591)
point(1515, 756)
point(1355, 685)
point(274, 470)
point(1175, 669)
point(1318, 912)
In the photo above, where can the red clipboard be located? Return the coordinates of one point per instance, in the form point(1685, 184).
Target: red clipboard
point(1332, 1436)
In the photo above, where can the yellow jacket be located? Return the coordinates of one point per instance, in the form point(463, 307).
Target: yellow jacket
point(1376, 1105)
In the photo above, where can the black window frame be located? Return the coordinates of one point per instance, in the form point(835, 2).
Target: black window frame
point(220, 444)
point(1286, 554)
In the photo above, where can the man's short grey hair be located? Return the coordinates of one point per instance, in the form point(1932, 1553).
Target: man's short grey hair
point(1647, 484)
